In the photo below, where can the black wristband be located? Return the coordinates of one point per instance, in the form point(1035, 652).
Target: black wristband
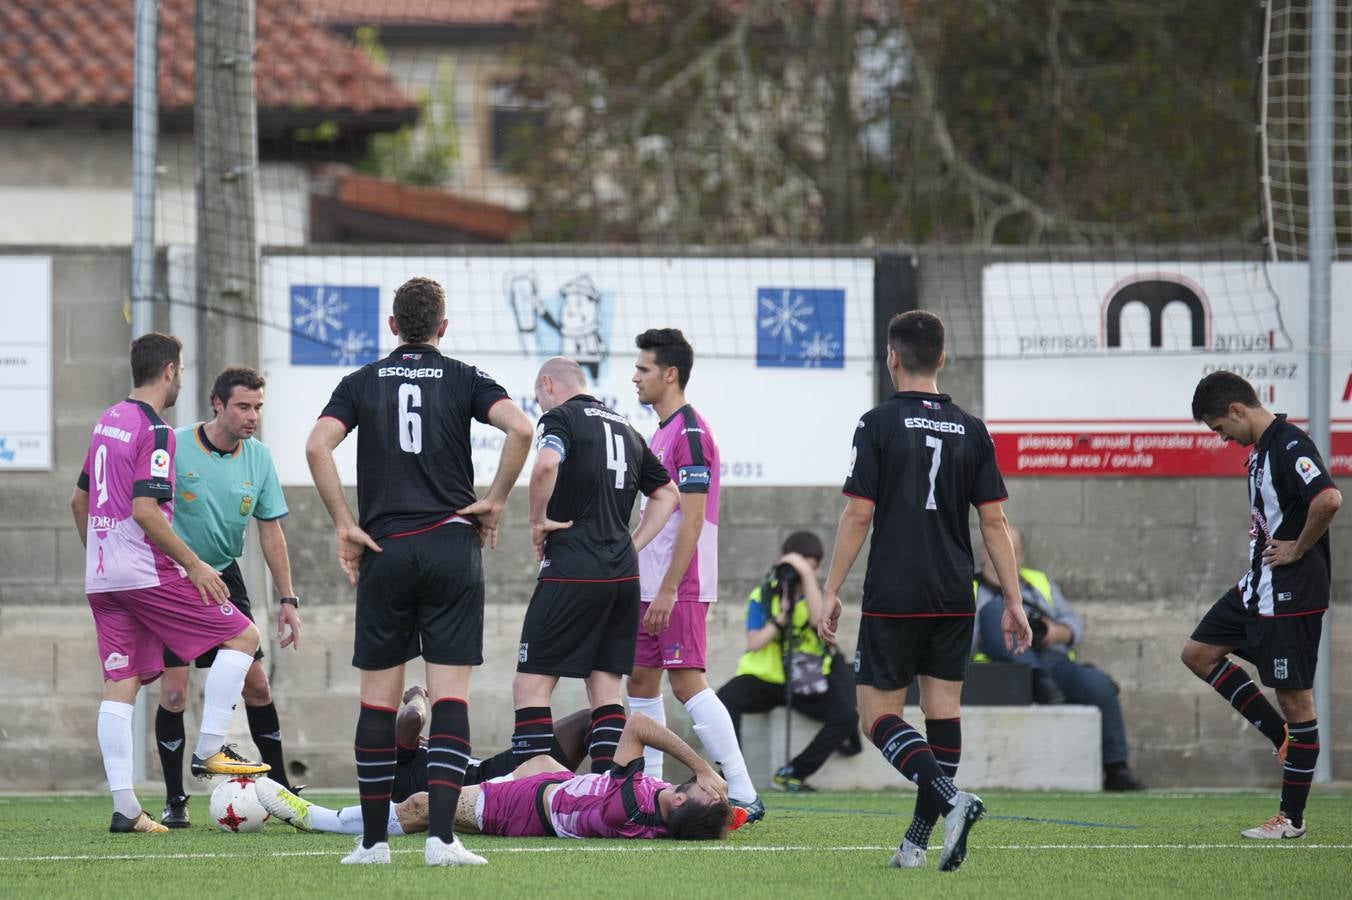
point(290, 601)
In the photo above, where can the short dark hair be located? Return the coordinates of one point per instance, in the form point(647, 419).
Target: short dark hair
point(692, 822)
point(1217, 391)
point(150, 353)
point(233, 377)
point(419, 307)
point(804, 543)
point(917, 337)
point(670, 349)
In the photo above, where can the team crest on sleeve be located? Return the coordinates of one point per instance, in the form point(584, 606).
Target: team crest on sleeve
point(159, 464)
point(1306, 469)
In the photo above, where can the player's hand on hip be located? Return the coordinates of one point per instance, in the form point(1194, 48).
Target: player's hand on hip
point(541, 530)
point(826, 628)
point(352, 544)
point(487, 514)
point(1280, 553)
point(209, 584)
point(288, 617)
point(1018, 634)
point(658, 616)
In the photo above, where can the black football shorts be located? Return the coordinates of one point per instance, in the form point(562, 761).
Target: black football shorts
point(1284, 648)
point(893, 650)
point(422, 596)
point(574, 628)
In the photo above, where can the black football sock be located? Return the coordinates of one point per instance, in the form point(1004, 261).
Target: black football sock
point(533, 734)
point(1234, 684)
point(1298, 771)
point(447, 757)
point(169, 740)
point(376, 756)
point(266, 731)
point(945, 740)
point(606, 724)
point(908, 752)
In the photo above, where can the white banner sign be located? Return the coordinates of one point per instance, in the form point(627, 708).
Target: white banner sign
point(26, 363)
point(783, 347)
point(1090, 367)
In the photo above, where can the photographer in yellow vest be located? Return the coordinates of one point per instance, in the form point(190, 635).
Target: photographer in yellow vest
point(783, 635)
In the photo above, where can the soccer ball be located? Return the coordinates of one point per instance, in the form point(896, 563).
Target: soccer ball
point(235, 806)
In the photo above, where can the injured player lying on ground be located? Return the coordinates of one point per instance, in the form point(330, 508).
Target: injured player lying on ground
point(542, 797)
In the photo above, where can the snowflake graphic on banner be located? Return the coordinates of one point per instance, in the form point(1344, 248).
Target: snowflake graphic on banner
point(800, 328)
point(334, 325)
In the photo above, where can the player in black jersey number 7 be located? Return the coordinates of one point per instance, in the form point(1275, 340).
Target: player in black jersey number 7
point(415, 555)
point(583, 618)
point(1274, 615)
point(919, 462)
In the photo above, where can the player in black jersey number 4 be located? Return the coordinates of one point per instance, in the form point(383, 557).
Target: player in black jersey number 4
point(1274, 615)
point(919, 462)
point(415, 554)
point(583, 618)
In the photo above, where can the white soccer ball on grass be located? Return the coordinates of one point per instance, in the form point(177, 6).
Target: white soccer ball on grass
point(235, 806)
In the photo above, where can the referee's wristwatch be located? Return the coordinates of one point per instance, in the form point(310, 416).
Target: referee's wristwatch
point(290, 601)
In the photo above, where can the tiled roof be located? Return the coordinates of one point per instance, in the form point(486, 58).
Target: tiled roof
point(407, 12)
point(431, 206)
point(78, 54)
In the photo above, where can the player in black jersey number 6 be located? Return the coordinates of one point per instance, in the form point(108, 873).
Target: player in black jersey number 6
point(918, 464)
point(415, 554)
point(583, 618)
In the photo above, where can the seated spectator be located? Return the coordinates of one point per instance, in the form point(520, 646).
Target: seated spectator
point(1057, 631)
point(820, 686)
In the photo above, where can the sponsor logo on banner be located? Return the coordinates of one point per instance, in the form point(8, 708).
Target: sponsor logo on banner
point(6, 452)
point(334, 325)
point(800, 328)
point(574, 321)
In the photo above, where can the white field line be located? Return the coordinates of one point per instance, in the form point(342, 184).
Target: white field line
point(583, 847)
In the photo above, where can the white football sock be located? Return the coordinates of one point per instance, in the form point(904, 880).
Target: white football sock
point(713, 725)
point(347, 820)
point(225, 679)
point(655, 709)
point(115, 743)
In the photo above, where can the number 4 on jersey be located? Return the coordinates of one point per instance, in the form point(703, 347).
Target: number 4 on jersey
point(615, 455)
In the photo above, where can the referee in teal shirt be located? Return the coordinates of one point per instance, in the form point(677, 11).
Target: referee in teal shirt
point(224, 478)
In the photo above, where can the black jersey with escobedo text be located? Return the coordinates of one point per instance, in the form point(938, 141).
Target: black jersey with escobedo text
point(1286, 472)
point(412, 411)
point(924, 463)
point(606, 463)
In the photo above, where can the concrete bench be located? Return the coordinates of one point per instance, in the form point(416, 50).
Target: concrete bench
point(1013, 747)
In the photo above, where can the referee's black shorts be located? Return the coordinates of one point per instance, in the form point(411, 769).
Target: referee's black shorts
point(892, 651)
point(574, 628)
point(1284, 648)
point(239, 596)
point(422, 596)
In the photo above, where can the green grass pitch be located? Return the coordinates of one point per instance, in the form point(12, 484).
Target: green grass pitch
point(810, 845)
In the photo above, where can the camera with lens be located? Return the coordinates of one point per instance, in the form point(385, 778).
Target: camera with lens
point(1037, 622)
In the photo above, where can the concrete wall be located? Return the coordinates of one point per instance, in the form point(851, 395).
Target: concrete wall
point(1141, 558)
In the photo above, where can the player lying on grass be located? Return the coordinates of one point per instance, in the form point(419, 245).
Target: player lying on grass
point(543, 798)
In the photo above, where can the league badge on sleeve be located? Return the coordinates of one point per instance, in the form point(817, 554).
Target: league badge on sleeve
point(1306, 469)
point(159, 464)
